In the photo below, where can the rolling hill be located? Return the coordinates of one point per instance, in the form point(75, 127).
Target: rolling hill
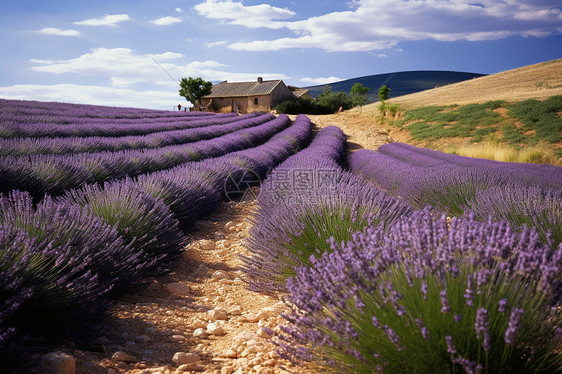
point(537, 81)
point(401, 83)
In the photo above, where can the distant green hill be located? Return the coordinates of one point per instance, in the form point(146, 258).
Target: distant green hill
point(401, 83)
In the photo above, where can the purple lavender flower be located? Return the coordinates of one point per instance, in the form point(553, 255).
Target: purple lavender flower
point(424, 289)
point(450, 347)
point(502, 305)
point(392, 335)
point(424, 330)
point(469, 293)
point(513, 326)
point(444, 301)
point(482, 328)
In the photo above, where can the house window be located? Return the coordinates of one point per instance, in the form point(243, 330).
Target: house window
point(256, 101)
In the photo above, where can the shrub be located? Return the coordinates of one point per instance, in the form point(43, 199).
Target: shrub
point(300, 106)
point(523, 206)
point(186, 194)
point(89, 239)
point(53, 288)
point(302, 225)
point(142, 220)
point(424, 297)
point(333, 101)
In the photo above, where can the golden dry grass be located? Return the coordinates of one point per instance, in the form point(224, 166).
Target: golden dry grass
point(538, 81)
point(539, 154)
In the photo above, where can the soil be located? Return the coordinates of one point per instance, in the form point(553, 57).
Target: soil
point(148, 328)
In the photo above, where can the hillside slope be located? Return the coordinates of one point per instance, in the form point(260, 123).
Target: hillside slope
point(538, 81)
point(401, 83)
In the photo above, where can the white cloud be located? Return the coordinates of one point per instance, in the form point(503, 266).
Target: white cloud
point(178, 10)
point(107, 20)
point(166, 21)
point(123, 68)
point(254, 16)
point(58, 32)
point(372, 25)
point(39, 61)
point(94, 95)
point(317, 81)
point(215, 44)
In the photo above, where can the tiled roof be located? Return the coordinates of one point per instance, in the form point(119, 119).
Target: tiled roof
point(236, 89)
point(298, 92)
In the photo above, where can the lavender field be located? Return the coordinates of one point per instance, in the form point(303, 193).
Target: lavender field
point(401, 260)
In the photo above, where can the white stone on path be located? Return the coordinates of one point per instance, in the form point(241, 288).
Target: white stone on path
point(217, 314)
point(199, 333)
point(183, 358)
point(215, 329)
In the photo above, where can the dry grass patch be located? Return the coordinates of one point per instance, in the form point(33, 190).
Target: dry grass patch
point(538, 154)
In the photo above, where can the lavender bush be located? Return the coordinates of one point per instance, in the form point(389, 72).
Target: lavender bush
point(521, 193)
point(13, 294)
point(144, 222)
point(91, 240)
point(52, 289)
point(428, 297)
point(520, 205)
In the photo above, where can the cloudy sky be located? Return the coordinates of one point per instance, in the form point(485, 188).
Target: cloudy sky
point(133, 52)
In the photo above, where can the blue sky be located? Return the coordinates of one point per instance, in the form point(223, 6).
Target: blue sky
point(131, 53)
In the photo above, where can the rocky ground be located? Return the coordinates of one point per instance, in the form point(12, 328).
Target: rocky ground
point(201, 317)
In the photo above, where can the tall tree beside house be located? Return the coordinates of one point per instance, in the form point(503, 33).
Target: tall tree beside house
point(193, 89)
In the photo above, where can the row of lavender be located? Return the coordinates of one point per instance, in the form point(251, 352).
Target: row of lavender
point(378, 286)
point(19, 121)
point(197, 130)
point(54, 174)
point(523, 194)
point(24, 111)
point(65, 259)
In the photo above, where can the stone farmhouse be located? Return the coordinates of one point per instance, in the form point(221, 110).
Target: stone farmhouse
point(246, 97)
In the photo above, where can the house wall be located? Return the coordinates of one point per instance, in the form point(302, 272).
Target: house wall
point(279, 94)
point(246, 104)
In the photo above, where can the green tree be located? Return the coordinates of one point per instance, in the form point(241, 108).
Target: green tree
point(331, 102)
point(193, 89)
point(383, 93)
point(359, 94)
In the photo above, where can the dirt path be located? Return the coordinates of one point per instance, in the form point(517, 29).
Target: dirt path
point(201, 317)
point(362, 131)
point(203, 307)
